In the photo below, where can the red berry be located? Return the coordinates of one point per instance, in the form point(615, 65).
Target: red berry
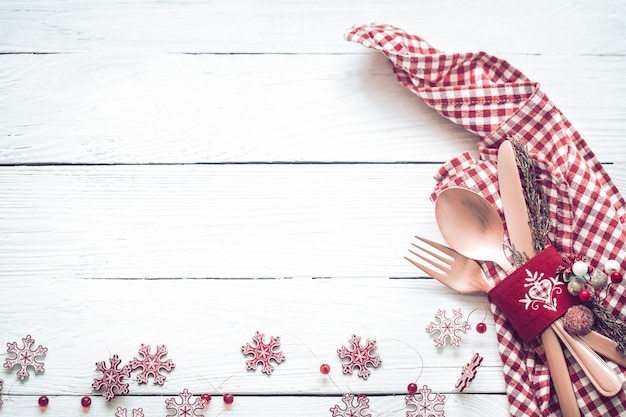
point(228, 398)
point(584, 294)
point(616, 277)
point(325, 369)
point(43, 401)
point(412, 388)
point(481, 327)
point(85, 401)
point(206, 397)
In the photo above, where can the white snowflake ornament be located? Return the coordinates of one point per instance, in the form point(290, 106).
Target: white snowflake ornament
point(263, 353)
point(185, 408)
point(426, 403)
point(25, 357)
point(360, 356)
point(355, 406)
point(122, 412)
point(151, 364)
point(112, 379)
point(448, 328)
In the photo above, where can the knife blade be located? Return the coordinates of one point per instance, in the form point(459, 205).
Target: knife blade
point(513, 201)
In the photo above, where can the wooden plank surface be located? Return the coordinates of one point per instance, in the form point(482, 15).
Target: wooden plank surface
point(189, 173)
point(108, 108)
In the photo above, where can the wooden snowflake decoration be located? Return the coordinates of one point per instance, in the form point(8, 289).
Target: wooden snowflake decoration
point(122, 412)
point(360, 356)
point(469, 372)
point(355, 406)
point(25, 357)
point(151, 364)
point(263, 353)
point(185, 408)
point(448, 328)
point(426, 403)
point(112, 379)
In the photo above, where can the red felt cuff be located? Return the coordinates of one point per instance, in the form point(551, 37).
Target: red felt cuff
point(531, 297)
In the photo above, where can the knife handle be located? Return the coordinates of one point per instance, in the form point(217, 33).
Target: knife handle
point(604, 346)
point(559, 374)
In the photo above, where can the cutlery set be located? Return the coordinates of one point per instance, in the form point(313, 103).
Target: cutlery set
point(475, 232)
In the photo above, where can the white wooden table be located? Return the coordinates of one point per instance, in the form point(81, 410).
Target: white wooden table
point(190, 172)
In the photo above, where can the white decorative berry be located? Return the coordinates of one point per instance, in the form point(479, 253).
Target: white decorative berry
point(151, 364)
point(611, 266)
point(263, 353)
point(25, 357)
point(360, 356)
point(426, 403)
point(448, 328)
point(355, 406)
point(580, 268)
point(469, 372)
point(112, 379)
point(185, 408)
point(121, 412)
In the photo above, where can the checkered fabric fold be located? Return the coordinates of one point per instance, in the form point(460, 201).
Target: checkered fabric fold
point(489, 97)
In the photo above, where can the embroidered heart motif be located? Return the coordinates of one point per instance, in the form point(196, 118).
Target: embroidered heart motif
point(541, 291)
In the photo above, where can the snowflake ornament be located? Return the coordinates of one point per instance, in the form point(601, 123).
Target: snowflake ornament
point(112, 378)
point(355, 406)
point(121, 412)
point(151, 364)
point(469, 372)
point(426, 403)
point(25, 357)
point(185, 408)
point(448, 328)
point(360, 356)
point(263, 353)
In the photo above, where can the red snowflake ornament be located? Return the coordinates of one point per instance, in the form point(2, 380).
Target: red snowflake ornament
point(448, 328)
point(263, 353)
point(360, 356)
point(151, 364)
point(426, 403)
point(112, 378)
point(185, 408)
point(25, 357)
point(355, 406)
point(469, 372)
point(122, 412)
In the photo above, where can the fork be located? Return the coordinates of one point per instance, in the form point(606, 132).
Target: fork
point(450, 269)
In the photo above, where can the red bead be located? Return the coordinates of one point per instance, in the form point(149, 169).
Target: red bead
point(228, 398)
point(325, 369)
point(85, 401)
point(481, 327)
point(616, 277)
point(206, 397)
point(584, 294)
point(43, 401)
point(412, 388)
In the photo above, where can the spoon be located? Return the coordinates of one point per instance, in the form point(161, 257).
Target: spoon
point(472, 226)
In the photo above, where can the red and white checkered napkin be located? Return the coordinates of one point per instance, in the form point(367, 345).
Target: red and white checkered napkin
point(492, 99)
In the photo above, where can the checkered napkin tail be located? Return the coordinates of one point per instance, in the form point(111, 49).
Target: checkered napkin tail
point(489, 97)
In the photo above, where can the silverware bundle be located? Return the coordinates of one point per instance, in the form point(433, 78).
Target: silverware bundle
point(474, 230)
